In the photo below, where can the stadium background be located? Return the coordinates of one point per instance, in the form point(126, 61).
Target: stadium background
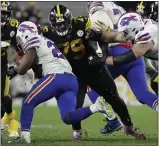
point(38, 12)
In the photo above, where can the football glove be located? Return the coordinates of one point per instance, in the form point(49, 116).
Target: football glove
point(95, 60)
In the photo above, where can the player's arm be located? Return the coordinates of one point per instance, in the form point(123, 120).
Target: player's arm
point(136, 52)
point(109, 35)
point(143, 44)
point(26, 62)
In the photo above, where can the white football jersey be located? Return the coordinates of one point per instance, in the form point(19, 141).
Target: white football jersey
point(152, 28)
point(114, 12)
point(48, 55)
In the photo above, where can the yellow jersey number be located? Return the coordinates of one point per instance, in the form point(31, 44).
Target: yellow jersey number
point(76, 46)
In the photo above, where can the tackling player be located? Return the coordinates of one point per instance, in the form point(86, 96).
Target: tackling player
point(57, 80)
point(69, 35)
point(8, 32)
point(149, 11)
point(138, 83)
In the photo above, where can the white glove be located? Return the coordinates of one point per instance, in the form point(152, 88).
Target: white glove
point(142, 37)
point(4, 44)
point(31, 75)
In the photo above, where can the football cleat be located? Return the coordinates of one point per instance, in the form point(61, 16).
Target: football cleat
point(76, 134)
point(13, 129)
point(100, 104)
point(134, 132)
point(112, 126)
point(25, 138)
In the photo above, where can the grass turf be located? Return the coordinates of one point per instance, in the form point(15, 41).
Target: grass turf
point(49, 130)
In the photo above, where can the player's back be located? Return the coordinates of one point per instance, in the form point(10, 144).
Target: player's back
point(152, 29)
point(114, 11)
point(48, 55)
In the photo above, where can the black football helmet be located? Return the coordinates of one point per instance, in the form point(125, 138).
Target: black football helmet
point(148, 9)
point(60, 18)
point(6, 12)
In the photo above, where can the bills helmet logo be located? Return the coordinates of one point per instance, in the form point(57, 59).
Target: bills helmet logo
point(126, 20)
point(24, 27)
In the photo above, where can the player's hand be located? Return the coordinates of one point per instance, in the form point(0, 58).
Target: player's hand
point(95, 60)
point(11, 72)
point(4, 46)
point(100, 26)
point(93, 34)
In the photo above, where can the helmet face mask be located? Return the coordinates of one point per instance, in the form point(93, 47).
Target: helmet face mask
point(5, 12)
point(61, 22)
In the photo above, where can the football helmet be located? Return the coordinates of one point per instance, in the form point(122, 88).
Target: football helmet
point(148, 9)
point(60, 19)
point(6, 12)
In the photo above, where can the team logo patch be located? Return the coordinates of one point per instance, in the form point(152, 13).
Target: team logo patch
point(80, 33)
point(12, 33)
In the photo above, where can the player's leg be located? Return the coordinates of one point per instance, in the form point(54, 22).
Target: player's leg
point(154, 82)
point(76, 127)
point(67, 103)
point(8, 118)
point(102, 82)
point(136, 77)
point(46, 88)
point(113, 123)
point(152, 71)
point(41, 91)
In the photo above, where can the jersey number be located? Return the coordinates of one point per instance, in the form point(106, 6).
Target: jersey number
point(55, 51)
point(76, 46)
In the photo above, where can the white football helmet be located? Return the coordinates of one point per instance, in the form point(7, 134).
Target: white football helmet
point(25, 30)
point(131, 24)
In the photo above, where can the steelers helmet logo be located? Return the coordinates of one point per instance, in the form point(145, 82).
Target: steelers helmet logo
point(80, 33)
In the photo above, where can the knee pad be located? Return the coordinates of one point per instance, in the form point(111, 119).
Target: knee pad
point(66, 119)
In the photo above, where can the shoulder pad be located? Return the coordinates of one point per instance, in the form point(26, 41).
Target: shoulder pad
point(142, 37)
point(13, 22)
point(78, 19)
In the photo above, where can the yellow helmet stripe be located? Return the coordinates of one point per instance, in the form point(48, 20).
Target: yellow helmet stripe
point(4, 4)
point(140, 6)
point(58, 11)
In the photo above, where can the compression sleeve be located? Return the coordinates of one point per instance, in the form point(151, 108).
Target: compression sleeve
point(125, 58)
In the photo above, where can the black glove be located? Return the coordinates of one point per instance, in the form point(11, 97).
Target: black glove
point(95, 60)
point(93, 35)
point(11, 72)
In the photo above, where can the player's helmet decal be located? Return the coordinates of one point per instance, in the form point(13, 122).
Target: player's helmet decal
point(126, 20)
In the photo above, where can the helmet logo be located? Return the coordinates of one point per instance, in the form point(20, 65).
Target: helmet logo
point(80, 33)
point(12, 34)
point(126, 20)
point(24, 27)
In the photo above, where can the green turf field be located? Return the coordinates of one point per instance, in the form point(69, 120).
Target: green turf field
point(49, 130)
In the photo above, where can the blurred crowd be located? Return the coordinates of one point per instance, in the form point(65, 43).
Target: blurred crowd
point(31, 12)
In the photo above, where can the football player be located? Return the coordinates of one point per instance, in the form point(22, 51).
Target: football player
point(57, 80)
point(138, 83)
point(8, 32)
point(149, 11)
point(72, 35)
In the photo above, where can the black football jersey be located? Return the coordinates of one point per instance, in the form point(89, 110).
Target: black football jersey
point(8, 34)
point(74, 46)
